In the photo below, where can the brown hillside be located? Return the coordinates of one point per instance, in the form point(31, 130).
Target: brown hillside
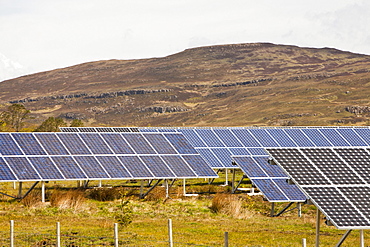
point(226, 85)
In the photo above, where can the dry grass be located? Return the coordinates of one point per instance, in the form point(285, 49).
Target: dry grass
point(230, 205)
point(32, 200)
point(71, 199)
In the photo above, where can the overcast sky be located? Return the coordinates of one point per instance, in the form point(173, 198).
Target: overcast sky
point(39, 35)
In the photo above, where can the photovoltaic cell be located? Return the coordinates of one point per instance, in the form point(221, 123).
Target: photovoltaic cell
point(209, 138)
point(46, 168)
point(290, 190)
point(160, 144)
point(271, 170)
point(299, 137)
point(117, 143)
point(135, 166)
point(180, 143)
point(91, 167)
point(358, 159)
point(239, 151)
point(199, 165)
point(316, 137)
point(351, 137)
point(95, 143)
point(250, 167)
point(51, 144)
point(246, 138)
point(228, 138)
point(257, 151)
point(28, 143)
point(208, 155)
point(334, 137)
point(73, 143)
point(158, 167)
point(8, 145)
point(113, 167)
point(178, 166)
point(223, 155)
point(264, 138)
point(281, 137)
point(5, 172)
point(68, 167)
point(364, 134)
point(22, 168)
point(192, 137)
point(138, 143)
point(271, 191)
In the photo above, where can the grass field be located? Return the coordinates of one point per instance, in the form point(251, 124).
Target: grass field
point(200, 220)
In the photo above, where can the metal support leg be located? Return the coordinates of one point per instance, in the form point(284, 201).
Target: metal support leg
point(233, 181)
point(362, 238)
point(226, 177)
point(20, 189)
point(272, 209)
point(42, 191)
point(317, 227)
point(141, 188)
point(167, 190)
point(343, 238)
point(299, 209)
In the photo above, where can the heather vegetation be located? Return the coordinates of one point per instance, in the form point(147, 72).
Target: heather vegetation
point(199, 220)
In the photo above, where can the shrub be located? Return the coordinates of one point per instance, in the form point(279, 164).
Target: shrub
point(104, 194)
point(124, 213)
point(230, 205)
point(72, 199)
point(33, 199)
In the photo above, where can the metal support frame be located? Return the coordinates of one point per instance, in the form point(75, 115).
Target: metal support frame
point(343, 238)
point(240, 181)
point(28, 191)
point(184, 189)
point(317, 227)
point(142, 195)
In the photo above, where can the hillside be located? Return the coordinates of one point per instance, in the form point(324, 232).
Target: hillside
point(226, 85)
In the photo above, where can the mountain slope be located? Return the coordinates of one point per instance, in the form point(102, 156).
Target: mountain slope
point(227, 85)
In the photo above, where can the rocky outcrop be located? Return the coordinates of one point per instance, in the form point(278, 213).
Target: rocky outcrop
point(358, 110)
point(92, 95)
point(163, 109)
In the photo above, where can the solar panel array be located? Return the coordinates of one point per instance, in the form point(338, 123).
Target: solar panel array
point(335, 179)
point(91, 156)
point(269, 179)
point(99, 129)
point(218, 145)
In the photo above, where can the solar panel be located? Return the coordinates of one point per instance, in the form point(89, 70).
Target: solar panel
point(29, 144)
point(95, 143)
point(22, 168)
point(5, 172)
point(91, 167)
point(139, 144)
point(158, 167)
point(73, 143)
point(269, 180)
point(46, 168)
point(160, 143)
point(113, 167)
point(51, 144)
point(8, 146)
point(340, 187)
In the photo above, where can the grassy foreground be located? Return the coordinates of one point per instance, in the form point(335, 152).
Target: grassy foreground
point(199, 221)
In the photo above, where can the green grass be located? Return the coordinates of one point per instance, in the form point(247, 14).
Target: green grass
point(193, 220)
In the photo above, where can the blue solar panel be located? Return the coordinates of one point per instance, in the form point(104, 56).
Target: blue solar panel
point(46, 168)
point(8, 145)
point(91, 167)
point(364, 134)
point(264, 138)
point(113, 167)
point(228, 138)
point(192, 137)
point(281, 137)
point(157, 166)
point(117, 143)
point(135, 166)
point(271, 170)
point(299, 137)
point(239, 151)
point(290, 190)
point(178, 166)
point(180, 144)
point(316, 137)
point(51, 144)
point(249, 166)
point(28, 143)
point(5, 172)
point(22, 168)
point(351, 137)
point(95, 143)
point(160, 144)
point(257, 151)
point(246, 138)
point(73, 143)
point(270, 190)
point(68, 167)
point(224, 155)
point(138, 143)
point(200, 167)
point(210, 157)
point(333, 136)
point(209, 138)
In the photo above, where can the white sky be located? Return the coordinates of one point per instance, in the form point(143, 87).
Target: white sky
point(39, 35)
